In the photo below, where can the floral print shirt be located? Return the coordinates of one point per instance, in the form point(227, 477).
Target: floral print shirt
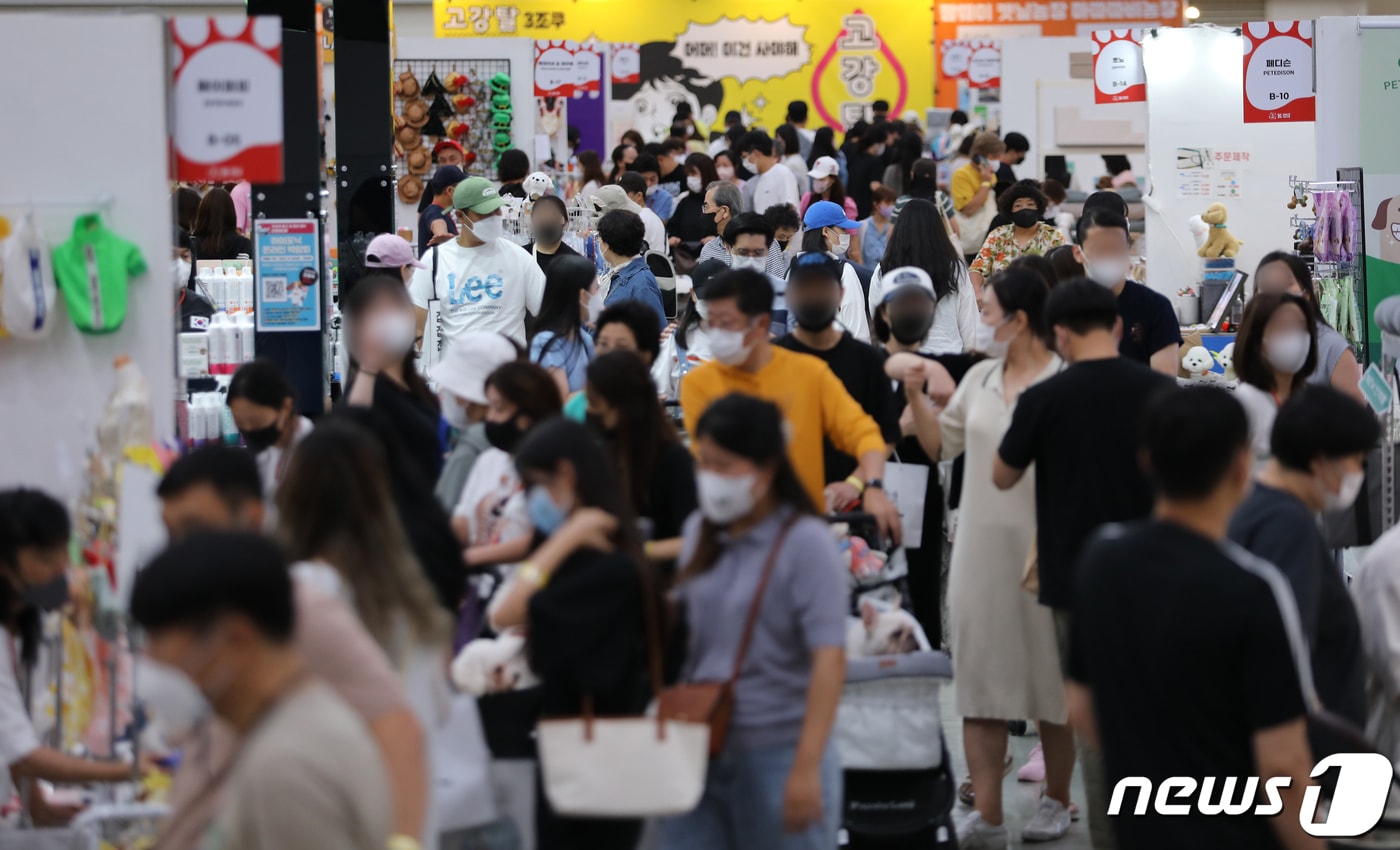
point(1001, 248)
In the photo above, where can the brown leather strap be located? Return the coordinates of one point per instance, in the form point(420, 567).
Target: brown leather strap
point(651, 603)
point(757, 605)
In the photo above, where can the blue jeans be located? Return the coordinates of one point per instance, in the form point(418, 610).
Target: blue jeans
point(743, 806)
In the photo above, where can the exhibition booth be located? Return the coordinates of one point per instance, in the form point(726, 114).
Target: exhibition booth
point(1232, 147)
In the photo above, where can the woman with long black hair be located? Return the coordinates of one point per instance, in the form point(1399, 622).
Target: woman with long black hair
point(824, 144)
point(558, 341)
point(920, 239)
point(1283, 273)
point(216, 228)
point(777, 779)
point(381, 326)
point(580, 597)
point(657, 473)
point(261, 402)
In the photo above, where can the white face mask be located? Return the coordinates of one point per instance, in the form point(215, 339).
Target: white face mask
point(987, 343)
point(820, 185)
point(1345, 497)
point(175, 704)
point(1287, 352)
point(1108, 272)
point(181, 269)
point(725, 172)
point(394, 331)
point(679, 160)
point(488, 230)
point(651, 190)
point(594, 307)
point(693, 183)
point(453, 411)
point(843, 244)
point(729, 347)
point(703, 309)
point(756, 263)
point(724, 498)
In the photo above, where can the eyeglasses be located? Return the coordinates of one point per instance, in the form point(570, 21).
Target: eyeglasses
point(751, 253)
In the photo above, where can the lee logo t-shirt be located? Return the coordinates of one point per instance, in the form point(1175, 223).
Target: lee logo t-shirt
point(487, 288)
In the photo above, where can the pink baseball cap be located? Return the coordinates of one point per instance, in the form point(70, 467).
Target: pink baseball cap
point(390, 251)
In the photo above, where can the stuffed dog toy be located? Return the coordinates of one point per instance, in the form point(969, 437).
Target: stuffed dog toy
point(1220, 243)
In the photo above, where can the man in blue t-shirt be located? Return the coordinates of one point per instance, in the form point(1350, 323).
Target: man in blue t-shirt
point(434, 225)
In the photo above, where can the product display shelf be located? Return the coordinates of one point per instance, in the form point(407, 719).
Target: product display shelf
point(481, 131)
point(1339, 281)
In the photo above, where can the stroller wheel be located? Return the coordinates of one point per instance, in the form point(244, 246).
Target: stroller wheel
point(1017, 728)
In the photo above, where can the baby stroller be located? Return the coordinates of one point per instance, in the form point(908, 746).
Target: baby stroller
point(899, 786)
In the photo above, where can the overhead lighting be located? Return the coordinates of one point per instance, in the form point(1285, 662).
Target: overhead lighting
point(1192, 13)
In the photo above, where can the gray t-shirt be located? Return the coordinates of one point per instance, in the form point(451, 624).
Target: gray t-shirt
point(1331, 345)
point(309, 776)
point(804, 609)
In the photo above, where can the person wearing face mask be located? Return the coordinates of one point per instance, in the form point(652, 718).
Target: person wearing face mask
point(869, 242)
point(827, 186)
point(481, 280)
point(775, 183)
point(217, 488)
point(690, 224)
point(749, 240)
point(656, 471)
point(581, 597)
point(461, 381)
point(726, 162)
point(727, 204)
point(757, 542)
point(973, 198)
point(1003, 642)
point(689, 345)
point(1320, 441)
point(262, 404)
point(814, 403)
point(194, 306)
point(670, 176)
point(1017, 147)
point(814, 297)
point(1151, 333)
point(549, 219)
point(786, 224)
point(1024, 203)
point(1275, 352)
point(621, 237)
point(558, 339)
point(1281, 272)
point(435, 222)
point(34, 535)
point(1075, 430)
point(385, 377)
point(829, 231)
point(491, 518)
point(654, 197)
point(219, 607)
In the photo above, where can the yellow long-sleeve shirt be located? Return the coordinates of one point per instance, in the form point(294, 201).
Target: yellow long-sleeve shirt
point(813, 401)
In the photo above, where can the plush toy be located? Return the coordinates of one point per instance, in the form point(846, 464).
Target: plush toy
point(1197, 362)
point(1200, 231)
point(537, 185)
point(1226, 359)
point(1220, 243)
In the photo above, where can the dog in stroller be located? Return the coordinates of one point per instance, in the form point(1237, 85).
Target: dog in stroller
point(899, 785)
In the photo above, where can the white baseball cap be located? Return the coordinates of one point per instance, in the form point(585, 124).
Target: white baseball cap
point(825, 166)
point(898, 281)
point(469, 360)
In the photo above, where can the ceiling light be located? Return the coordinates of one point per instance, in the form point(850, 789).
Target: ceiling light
point(1192, 13)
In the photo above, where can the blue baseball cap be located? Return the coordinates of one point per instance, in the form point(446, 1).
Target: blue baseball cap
point(827, 214)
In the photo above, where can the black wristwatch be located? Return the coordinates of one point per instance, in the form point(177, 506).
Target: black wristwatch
point(875, 484)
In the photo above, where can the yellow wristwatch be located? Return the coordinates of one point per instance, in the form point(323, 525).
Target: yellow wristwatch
point(402, 842)
point(530, 571)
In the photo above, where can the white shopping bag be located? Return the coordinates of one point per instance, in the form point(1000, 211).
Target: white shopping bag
point(907, 485)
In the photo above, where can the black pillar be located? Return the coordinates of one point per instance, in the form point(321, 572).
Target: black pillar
point(300, 353)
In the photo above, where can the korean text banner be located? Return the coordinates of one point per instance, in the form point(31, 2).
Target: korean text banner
point(838, 55)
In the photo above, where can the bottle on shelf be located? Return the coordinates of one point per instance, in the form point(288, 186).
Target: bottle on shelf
point(223, 344)
point(245, 290)
point(243, 326)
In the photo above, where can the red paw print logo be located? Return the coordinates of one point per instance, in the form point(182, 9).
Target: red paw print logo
point(1118, 73)
point(1278, 72)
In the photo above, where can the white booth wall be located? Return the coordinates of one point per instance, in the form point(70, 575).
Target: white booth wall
point(1195, 79)
point(108, 73)
point(1037, 86)
point(1337, 46)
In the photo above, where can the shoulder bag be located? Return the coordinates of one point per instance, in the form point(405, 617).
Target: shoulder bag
point(625, 767)
point(712, 703)
point(430, 348)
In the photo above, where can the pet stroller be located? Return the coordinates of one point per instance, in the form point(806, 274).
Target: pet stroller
point(899, 786)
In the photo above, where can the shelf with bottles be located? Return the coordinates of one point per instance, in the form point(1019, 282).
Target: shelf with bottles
point(228, 339)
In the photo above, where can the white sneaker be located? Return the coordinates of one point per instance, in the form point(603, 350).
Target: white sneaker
point(976, 834)
point(1051, 821)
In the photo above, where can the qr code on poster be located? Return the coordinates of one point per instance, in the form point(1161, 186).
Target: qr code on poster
point(274, 289)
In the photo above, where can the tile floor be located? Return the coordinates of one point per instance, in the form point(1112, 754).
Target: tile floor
point(1019, 799)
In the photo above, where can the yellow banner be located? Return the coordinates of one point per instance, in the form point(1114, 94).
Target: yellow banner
point(838, 55)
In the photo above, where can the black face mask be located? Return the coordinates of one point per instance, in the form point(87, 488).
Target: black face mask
point(549, 234)
point(261, 439)
point(782, 244)
point(504, 435)
point(910, 328)
point(1025, 219)
point(49, 596)
point(813, 317)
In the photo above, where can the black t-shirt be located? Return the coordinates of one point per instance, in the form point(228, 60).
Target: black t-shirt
point(1278, 527)
point(1006, 178)
point(545, 259)
point(513, 190)
point(416, 422)
point(673, 495)
point(235, 244)
point(687, 222)
point(863, 168)
point(910, 451)
point(430, 214)
point(1149, 322)
point(861, 369)
point(1080, 429)
point(1186, 650)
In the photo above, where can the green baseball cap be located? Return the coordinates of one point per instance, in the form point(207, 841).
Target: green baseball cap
point(478, 195)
